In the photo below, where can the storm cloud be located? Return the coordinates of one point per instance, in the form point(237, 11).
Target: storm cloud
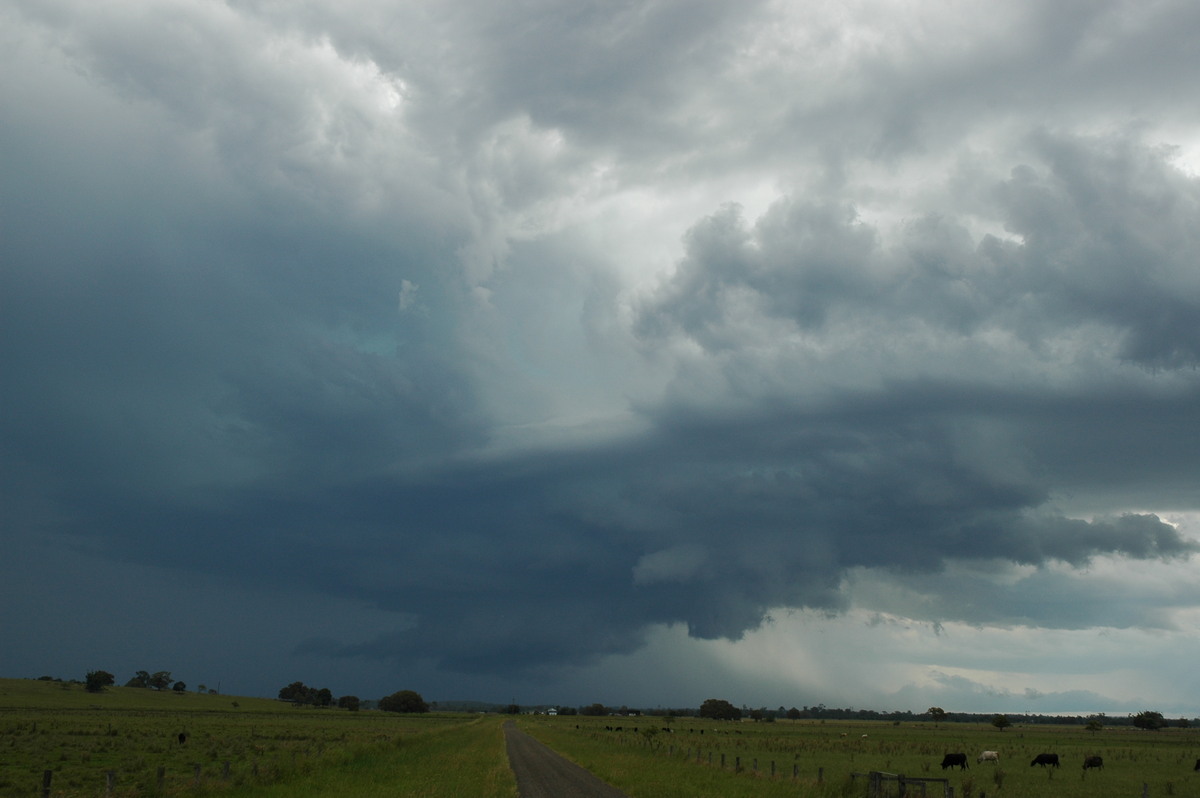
point(530, 341)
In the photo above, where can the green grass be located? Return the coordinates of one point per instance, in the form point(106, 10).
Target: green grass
point(233, 743)
point(665, 765)
point(467, 760)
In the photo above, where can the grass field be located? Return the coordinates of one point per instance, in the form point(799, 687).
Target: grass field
point(688, 760)
point(259, 748)
point(233, 745)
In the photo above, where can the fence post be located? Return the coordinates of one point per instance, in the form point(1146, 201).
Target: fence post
point(162, 777)
point(772, 768)
point(820, 775)
point(196, 774)
point(110, 776)
point(47, 777)
point(225, 771)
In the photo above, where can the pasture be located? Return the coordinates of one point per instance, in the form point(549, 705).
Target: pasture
point(233, 745)
point(648, 762)
point(258, 748)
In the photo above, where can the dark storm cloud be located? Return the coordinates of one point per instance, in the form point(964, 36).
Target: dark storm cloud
point(298, 298)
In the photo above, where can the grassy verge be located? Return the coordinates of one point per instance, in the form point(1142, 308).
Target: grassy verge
point(459, 762)
point(645, 771)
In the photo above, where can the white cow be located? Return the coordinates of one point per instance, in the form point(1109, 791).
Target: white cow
point(988, 756)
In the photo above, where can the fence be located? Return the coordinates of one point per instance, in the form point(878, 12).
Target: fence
point(196, 777)
point(878, 784)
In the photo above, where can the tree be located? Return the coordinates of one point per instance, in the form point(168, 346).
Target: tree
point(97, 680)
point(403, 701)
point(349, 702)
point(139, 679)
point(793, 714)
point(179, 687)
point(296, 692)
point(936, 713)
point(160, 680)
point(719, 709)
point(1001, 722)
point(595, 710)
point(323, 697)
point(1151, 721)
point(201, 688)
point(1094, 723)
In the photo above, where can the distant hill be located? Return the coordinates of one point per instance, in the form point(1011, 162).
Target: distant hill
point(54, 694)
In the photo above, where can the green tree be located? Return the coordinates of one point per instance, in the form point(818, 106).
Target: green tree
point(937, 714)
point(139, 679)
point(1152, 721)
point(160, 680)
point(296, 691)
point(1001, 722)
point(403, 701)
point(719, 709)
point(179, 687)
point(1094, 723)
point(349, 702)
point(595, 710)
point(793, 714)
point(96, 681)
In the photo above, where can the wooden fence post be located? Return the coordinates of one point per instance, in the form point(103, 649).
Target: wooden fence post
point(196, 774)
point(110, 776)
point(47, 777)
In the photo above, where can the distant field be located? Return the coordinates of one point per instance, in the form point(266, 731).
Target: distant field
point(233, 744)
point(686, 763)
point(258, 748)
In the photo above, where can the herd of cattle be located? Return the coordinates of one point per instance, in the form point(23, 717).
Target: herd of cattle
point(1045, 760)
point(1051, 760)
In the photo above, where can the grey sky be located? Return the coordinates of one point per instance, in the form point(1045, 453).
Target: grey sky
point(635, 353)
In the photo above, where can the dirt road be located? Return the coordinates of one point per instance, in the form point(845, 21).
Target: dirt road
point(541, 773)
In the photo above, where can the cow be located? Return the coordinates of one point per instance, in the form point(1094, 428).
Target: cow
point(954, 761)
point(182, 738)
point(988, 756)
point(1197, 765)
point(1093, 762)
point(1045, 759)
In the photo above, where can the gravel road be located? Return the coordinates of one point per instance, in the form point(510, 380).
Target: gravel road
point(541, 773)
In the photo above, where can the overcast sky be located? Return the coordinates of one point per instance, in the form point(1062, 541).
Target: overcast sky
point(634, 353)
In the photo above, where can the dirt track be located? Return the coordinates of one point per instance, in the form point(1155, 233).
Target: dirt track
point(541, 773)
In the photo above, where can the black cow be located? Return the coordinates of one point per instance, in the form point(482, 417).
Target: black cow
point(1093, 762)
point(1197, 765)
point(954, 761)
point(1045, 759)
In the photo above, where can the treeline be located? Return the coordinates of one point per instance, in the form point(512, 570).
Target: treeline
point(724, 710)
point(95, 681)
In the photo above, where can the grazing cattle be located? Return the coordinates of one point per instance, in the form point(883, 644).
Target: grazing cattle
point(1045, 759)
point(1093, 762)
point(954, 761)
point(1197, 765)
point(988, 756)
point(182, 738)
